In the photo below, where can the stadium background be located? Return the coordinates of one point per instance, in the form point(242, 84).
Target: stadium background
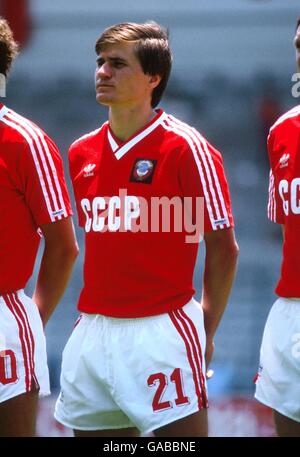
point(233, 62)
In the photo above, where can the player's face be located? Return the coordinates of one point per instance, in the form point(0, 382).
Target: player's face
point(119, 78)
point(297, 46)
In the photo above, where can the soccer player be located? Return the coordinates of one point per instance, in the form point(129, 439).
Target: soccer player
point(278, 379)
point(33, 203)
point(135, 360)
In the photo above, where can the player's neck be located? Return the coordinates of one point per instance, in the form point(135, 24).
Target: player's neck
point(126, 122)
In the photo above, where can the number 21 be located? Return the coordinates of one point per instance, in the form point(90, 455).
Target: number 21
point(162, 380)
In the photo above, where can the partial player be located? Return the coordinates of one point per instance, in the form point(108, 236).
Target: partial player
point(278, 380)
point(34, 203)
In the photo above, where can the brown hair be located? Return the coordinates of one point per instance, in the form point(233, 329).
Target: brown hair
point(8, 47)
point(152, 49)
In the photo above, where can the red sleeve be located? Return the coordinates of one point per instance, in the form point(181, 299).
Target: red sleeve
point(202, 175)
point(275, 208)
point(75, 164)
point(41, 179)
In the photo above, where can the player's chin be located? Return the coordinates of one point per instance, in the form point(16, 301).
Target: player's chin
point(103, 99)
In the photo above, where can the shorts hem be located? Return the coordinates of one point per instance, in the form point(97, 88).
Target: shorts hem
point(149, 430)
point(44, 394)
point(13, 395)
point(93, 428)
point(279, 410)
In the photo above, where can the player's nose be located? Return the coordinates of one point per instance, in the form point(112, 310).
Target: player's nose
point(104, 70)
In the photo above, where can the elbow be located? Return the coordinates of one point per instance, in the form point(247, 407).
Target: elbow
point(234, 253)
point(73, 252)
point(68, 253)
point(235, 250)
point(230, 254)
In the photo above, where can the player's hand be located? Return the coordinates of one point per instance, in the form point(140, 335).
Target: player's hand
point(209, 374)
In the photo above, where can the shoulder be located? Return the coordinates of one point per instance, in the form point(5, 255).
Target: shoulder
point(177, 130)
point(289, 119)
point(22, 133)
point(87, 139)
point(191, 141)
point(284, 134)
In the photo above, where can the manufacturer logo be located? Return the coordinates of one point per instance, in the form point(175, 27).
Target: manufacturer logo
point(143, 171)
point(88, 170)
point(284, 160)
point(59, 212)
point(220, 222)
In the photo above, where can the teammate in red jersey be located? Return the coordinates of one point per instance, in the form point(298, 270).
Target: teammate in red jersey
point(135, 360)
point(278, 380)
point(33, 202)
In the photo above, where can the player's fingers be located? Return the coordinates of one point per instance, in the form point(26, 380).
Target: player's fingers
point(209, 374)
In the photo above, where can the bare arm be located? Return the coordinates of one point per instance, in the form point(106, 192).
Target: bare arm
point(59, 255)
point(220, 266)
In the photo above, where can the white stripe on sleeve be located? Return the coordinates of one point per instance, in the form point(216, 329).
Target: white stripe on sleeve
point(44, 152)
point(213, 179)
point(272, 201)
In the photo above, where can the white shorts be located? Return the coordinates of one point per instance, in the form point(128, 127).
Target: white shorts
point(278, 379)
point(143, 372)
point(23, 358)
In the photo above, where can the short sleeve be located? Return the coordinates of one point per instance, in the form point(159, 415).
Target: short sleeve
point(42, 181)
point(274, 209)
point(75, 165)
point(202, 175)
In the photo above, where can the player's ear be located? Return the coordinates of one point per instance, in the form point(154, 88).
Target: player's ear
point(154, 80)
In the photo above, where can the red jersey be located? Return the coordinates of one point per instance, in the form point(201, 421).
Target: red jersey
point(32, 193)
point(134, 266)
point(284, 196)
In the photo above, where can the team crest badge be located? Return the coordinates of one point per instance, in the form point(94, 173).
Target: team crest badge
point(143, 171)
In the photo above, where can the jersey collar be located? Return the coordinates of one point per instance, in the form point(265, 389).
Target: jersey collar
point(120, 149)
